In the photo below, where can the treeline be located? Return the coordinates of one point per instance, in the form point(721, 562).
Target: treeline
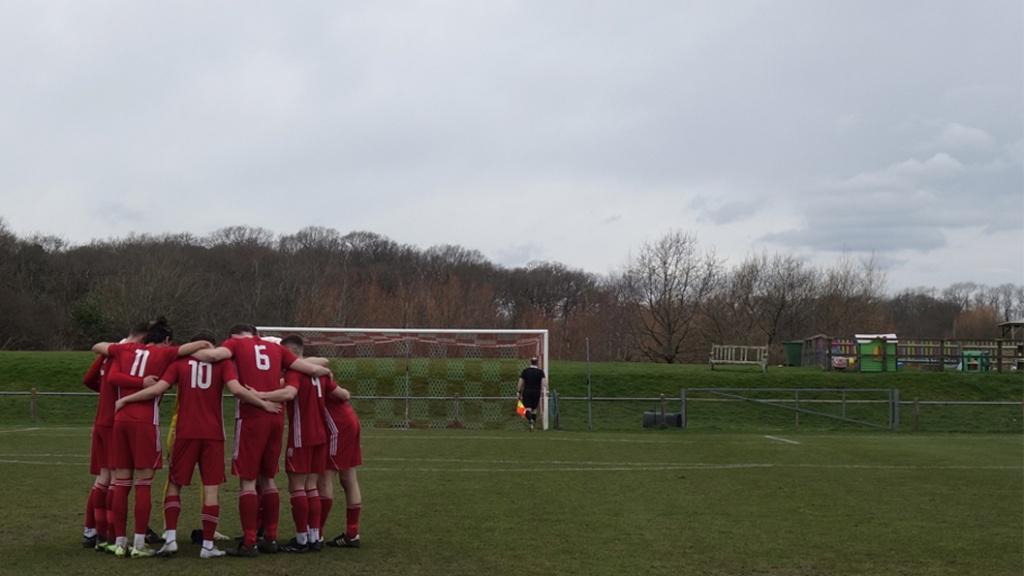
point(667, 305)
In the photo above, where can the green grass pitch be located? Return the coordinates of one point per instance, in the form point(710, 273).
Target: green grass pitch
point(616, 503)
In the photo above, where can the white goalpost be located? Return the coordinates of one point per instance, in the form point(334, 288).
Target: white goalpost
point(428, 378)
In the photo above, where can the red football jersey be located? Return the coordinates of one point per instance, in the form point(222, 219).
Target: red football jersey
point(130, 364)
point(307, 411)
point(108, 396)
point(95, 373)
point(259, 364)
point(342, 416)
point(200, 389)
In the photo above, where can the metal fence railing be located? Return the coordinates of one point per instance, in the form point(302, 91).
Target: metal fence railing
point(722, 409)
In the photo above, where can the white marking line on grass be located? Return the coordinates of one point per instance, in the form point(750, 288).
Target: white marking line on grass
point(544, 438)
point(777, 439)
point(44, 455)
point(555, 466)
point(41, 463)
point(20, 430)
point(547, 463)
point(681, 467)
point(612, 468)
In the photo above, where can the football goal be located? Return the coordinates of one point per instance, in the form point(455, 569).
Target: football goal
point(428, 378)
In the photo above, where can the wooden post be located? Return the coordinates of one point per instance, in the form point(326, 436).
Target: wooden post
point(856, 357)
point(796, 397)
point(663, 423)
point(942, 355)
point(32, 405)
point(682, 407)
point(885, 354)
point(999, 355)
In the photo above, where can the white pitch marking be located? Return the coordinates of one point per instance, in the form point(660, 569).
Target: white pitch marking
point(40, 463)
point(372, 469)
point(548, 462)
point(544, 438)
point(20, 430)
point(576, 469)
point(45, 456)
point(781, 440)
point(589, 466)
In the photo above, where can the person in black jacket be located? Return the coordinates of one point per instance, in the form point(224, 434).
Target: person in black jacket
point(532, 383)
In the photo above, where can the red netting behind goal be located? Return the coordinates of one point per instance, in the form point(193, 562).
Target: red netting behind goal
point(426, 378)
point(420, 344)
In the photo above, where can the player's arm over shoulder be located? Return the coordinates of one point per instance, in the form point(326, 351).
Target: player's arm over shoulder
point(102, 348)
point(193, 347)
point(212, 354)
point(308, 368)
point(317, 361)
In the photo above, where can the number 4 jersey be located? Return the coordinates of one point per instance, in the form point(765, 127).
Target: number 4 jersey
point(307, 411)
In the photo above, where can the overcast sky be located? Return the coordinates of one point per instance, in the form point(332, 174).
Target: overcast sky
point(568, 131)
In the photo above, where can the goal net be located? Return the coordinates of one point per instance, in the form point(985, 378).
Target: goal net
point(423, 378)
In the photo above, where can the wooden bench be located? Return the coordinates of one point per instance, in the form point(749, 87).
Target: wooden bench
point(730, 354)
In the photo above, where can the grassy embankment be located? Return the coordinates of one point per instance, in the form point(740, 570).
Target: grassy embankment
point(62, 372)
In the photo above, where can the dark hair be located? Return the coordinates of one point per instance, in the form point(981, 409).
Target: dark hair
point(534, 361)
point(293, 340)
point(204, 336)
point(240, 328)
point(139, 329)
point(158, 332)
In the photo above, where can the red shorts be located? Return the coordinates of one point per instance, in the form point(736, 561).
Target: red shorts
point(344, 452)
point(343, 447)
point(100, 455)
point(306, 460)
point(257, 447)
point(209, 454)
point(136, 445)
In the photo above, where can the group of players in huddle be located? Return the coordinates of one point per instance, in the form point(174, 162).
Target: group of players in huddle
point(266, 377)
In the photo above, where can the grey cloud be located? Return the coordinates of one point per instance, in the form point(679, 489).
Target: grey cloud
point(863, 236)
point(518, 255)
point(728, 211)
point(812, 125)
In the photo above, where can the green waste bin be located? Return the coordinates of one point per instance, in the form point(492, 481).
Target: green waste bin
point(794, 352)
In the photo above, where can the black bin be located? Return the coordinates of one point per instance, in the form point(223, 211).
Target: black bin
point(652, 419)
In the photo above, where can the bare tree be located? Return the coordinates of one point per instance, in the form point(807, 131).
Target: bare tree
point(917, 313)
point(979, 323)
point(243, 271)
point(666, 286)
point(458, 288)
point(851, 298)
point(1001, 299)
point(961, 294)
point(781, 289)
